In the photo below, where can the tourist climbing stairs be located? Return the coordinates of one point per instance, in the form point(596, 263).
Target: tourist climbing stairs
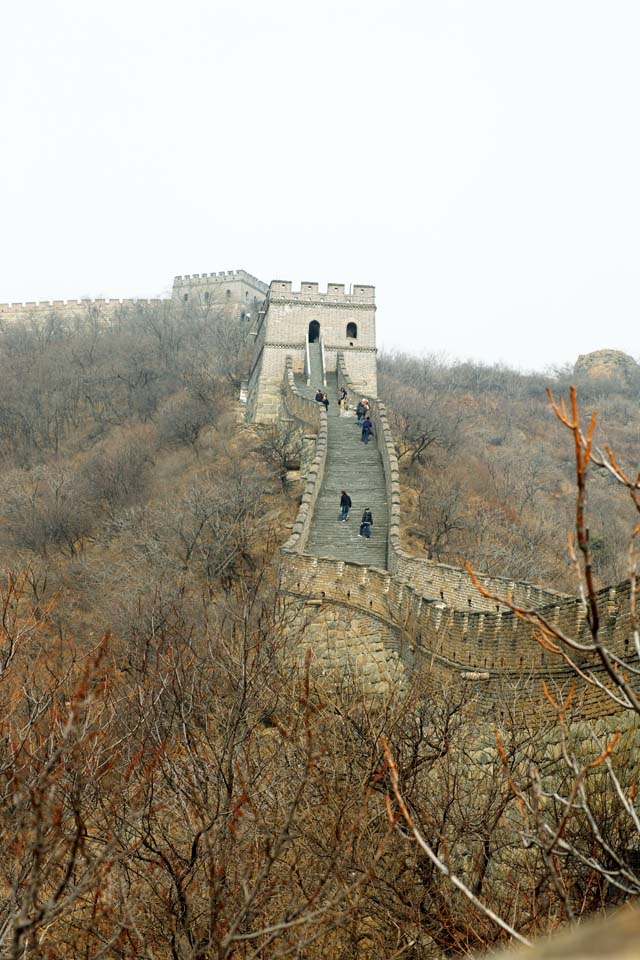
point(352, 466)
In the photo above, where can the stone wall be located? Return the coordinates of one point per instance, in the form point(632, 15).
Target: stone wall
point(491, 651)
point(349, 645)
point(432, 611)
point(72, 309)
point(314, 415)
point(236, 289)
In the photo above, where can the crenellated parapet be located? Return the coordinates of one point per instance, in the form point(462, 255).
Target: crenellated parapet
point(221, 277)
point(236, 293)
point(432, 615)
point(492, 650)
point(336, 294)
point(73, 309)
point(227, 287)
point(314, 415)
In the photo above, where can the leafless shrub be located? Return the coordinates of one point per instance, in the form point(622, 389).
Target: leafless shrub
point(117, 474)
point(45, 510)
point(181, 420)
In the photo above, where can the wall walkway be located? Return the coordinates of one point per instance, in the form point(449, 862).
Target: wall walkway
point(353, 466)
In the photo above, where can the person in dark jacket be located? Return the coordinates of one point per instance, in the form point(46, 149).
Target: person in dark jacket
point(319, 395)
point(367, 429)
point(366, 524)
point(345, 506)
point(360, 409)
point(325, 400)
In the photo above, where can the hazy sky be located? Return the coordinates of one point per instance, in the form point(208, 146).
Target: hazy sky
point(479, 161)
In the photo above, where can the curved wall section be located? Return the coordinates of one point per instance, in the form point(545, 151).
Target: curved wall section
point(486, 649)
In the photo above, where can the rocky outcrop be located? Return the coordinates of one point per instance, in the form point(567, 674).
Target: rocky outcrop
point(606, 365)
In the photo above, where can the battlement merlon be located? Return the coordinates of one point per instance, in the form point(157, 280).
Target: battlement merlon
point(335, 293)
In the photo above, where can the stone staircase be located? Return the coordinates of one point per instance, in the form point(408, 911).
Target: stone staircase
point(352, 466)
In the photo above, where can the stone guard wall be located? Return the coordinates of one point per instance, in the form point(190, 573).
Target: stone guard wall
point(314, 415)
point(71, 309)
point(470, 645)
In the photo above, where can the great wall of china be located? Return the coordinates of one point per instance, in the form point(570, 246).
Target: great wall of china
point(371, 608)
point(237, 289)
point(382, 617)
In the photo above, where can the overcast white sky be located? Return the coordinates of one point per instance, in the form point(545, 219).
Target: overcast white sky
point(477, 160)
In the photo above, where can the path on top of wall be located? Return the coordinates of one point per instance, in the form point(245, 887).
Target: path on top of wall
point(353, 466)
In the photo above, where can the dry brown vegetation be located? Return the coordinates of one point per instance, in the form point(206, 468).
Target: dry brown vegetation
point(175, 780)
point(489, 476)
point(123, 461)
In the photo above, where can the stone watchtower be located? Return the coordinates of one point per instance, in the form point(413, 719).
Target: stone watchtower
point(295, 324)
point(239, 294)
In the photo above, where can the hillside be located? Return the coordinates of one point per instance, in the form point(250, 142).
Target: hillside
point(174, 783)
point(126, 473)
point(489, 473)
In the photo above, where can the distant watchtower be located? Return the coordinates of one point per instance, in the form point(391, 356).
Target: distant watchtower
point(236, 292)
point(294, 322)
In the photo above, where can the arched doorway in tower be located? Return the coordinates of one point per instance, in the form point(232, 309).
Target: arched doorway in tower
point(314, 331)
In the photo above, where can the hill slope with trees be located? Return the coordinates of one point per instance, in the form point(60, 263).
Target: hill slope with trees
point(173, 783)
point(488, 472)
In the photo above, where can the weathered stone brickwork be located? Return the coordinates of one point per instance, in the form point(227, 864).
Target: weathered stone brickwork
point(488, 649)
point(346, 642)
point(314, 415)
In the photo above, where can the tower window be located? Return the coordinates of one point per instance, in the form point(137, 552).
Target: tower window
point(206, 296)
point(228, 294)
point(314, 331)
point(185, 297)
point(352, 331)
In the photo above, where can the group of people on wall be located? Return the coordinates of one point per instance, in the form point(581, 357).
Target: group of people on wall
point(363, 420)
